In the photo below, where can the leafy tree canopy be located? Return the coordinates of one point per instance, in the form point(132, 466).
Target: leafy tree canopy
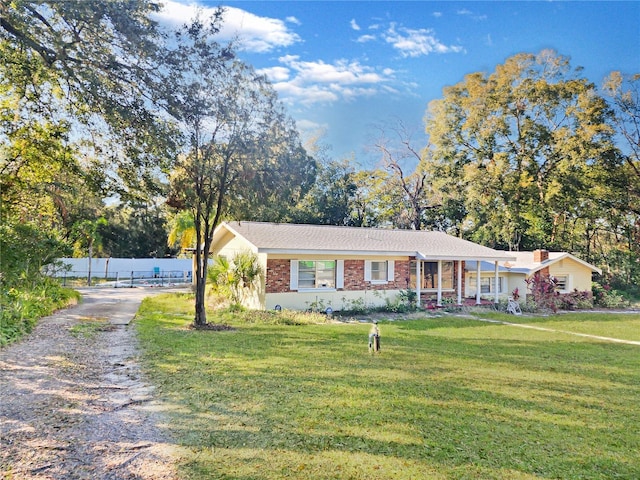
point(523, 146)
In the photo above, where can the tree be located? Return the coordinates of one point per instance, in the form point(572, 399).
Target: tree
point(182, 233)
point(241, 151)
point(623, 92)
point(524, 145)
point(87, 236)
point(328, 201)
point(372, 204)
point(93, 63)
point(136, 229)
point(410, 188)
point(78, 112)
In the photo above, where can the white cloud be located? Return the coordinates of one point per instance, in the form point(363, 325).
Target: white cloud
point(254, 33)
point(176, 13)
point(417, 42)
point(470, 14)
point(257, 34)
point(312, 82)
point(291, 92)
point(275, 74)
point(341, 72)
point(311, 125)
point(354, 25)
point(365, 38)
point(294, 20)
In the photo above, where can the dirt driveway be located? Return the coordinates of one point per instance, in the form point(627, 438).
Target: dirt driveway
point(73, 403)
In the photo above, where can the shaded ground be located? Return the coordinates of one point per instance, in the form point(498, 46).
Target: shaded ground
point(73, 404)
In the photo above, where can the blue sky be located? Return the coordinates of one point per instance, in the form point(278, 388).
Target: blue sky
point(342, 67)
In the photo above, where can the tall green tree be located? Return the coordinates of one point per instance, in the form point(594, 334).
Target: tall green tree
point(78, 110)
point(241, 151)
point(328, 200)
point(136, 229)
point(523, 146)
point(94, 63)
point(623, 92)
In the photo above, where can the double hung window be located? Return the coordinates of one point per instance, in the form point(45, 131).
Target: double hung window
point(379, 271)
point(316, 274)
point(487, 284)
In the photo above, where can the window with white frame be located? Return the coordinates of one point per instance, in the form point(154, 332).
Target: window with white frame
point(316, 274)
point(562, 283)
point(378, 271)
point(487, 284)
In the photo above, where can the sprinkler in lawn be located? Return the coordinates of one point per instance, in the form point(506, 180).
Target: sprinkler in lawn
point(374, 338)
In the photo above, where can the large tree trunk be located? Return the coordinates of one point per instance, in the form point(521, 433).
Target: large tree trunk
point(200, 269)
point(202, 263)
point(201, 311)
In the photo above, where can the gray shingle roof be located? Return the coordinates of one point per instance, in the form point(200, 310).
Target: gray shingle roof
point(324, 239)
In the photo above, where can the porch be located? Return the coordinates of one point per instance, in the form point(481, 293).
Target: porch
point(441, 282)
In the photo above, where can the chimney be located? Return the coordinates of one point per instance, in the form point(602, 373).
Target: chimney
point(540, 256)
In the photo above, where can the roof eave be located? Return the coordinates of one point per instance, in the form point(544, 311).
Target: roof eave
point(368, 253)
point(550, 262)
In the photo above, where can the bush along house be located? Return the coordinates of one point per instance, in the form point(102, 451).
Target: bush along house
point(320, 266)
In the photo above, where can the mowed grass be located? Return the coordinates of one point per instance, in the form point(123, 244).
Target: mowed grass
point(447, 398)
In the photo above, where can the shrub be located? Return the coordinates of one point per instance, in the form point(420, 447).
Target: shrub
point(543, 295)
point(605, 296)
point(236, 279)
point(20, 308)
point(575, 300)
point(404, 302)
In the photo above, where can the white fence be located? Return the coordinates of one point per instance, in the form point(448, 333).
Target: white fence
point(126, 271)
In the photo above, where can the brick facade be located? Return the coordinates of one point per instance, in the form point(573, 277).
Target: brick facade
point(354, 276)
point(279, 276)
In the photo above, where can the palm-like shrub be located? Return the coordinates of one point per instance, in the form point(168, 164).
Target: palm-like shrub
point(235, 279)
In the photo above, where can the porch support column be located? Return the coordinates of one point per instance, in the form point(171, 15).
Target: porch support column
point(418, 282)
point(497, 293)
point(478, 286)
point(459, 282)
point(439, 295)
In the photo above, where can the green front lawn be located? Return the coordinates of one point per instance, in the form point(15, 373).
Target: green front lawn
point(447, 398)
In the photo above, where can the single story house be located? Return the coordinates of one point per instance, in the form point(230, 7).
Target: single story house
point(570, 272)
point(322, 266)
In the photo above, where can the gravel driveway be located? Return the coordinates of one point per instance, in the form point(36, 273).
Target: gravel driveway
point(73, 403)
